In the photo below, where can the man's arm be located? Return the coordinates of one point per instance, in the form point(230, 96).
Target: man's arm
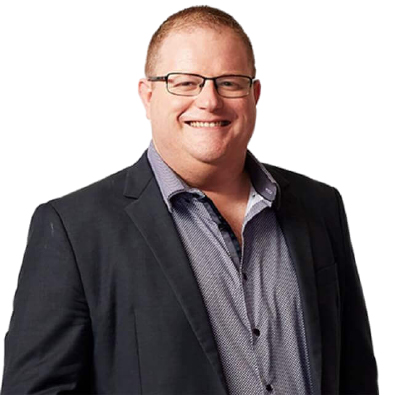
point(358, 369)
point(48, 345)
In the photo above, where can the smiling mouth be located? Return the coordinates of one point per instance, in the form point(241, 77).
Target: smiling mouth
point(199, 124)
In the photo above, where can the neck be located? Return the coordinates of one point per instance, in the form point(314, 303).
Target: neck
point(224, 180)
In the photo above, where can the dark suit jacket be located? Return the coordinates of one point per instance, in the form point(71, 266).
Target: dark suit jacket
point(107, 301)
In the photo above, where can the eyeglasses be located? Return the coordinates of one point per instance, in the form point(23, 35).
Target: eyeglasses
point(183, 84)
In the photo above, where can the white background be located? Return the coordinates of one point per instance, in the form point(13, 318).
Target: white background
point(70, 115)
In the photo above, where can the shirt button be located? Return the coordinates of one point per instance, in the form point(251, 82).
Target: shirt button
point(269, 387)
point(256, 331)
point(244, 276)
point(221, 226)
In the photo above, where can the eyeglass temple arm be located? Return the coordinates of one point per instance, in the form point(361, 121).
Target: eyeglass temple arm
point(157, 78)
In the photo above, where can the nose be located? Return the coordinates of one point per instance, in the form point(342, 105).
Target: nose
point(208, 98)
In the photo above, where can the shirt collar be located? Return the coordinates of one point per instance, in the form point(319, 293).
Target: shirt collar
point(170, 184)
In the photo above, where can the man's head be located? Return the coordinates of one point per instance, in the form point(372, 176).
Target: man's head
point(208, 42)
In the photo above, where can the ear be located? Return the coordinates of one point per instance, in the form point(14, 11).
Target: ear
point(145, 92)
point(257, 90)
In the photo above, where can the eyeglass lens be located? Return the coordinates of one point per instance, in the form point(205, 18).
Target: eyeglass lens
point(191, 85)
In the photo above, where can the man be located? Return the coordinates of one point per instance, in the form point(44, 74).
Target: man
point(198, 270)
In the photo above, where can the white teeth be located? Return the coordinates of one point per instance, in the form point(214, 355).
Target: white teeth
point(206, 124)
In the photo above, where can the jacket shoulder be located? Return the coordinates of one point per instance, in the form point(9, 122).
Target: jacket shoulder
point(102, 190)
point(110, 190)
point(300, 183)
point(318, 198)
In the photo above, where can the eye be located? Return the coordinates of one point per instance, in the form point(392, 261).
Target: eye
point(227, 83)
point(230, 84)
point(186, 83)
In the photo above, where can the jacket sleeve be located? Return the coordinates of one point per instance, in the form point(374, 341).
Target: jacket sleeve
point(358, 369)
point(48, 345)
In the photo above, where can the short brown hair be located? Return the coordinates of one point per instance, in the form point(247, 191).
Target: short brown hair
point(189, 18)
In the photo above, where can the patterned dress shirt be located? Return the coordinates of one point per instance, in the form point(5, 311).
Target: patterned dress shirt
point(251, 291)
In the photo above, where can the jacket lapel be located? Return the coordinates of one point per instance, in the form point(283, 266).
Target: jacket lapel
point(293, 222)
point(149, 213)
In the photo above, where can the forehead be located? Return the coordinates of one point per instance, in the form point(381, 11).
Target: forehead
point(205, 51)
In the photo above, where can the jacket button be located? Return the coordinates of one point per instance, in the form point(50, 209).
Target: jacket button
point(256, 332)
point(245, 276)
point(269, 387)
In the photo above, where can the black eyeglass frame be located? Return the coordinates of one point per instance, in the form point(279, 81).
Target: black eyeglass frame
point(165, 78)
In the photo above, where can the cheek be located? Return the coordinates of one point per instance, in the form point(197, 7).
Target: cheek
point(168, 109)
point(251, 110)
point(247, 112)
point(178, 106)
point(247, 116)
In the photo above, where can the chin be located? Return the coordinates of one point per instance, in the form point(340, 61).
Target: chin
point(210, 156)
